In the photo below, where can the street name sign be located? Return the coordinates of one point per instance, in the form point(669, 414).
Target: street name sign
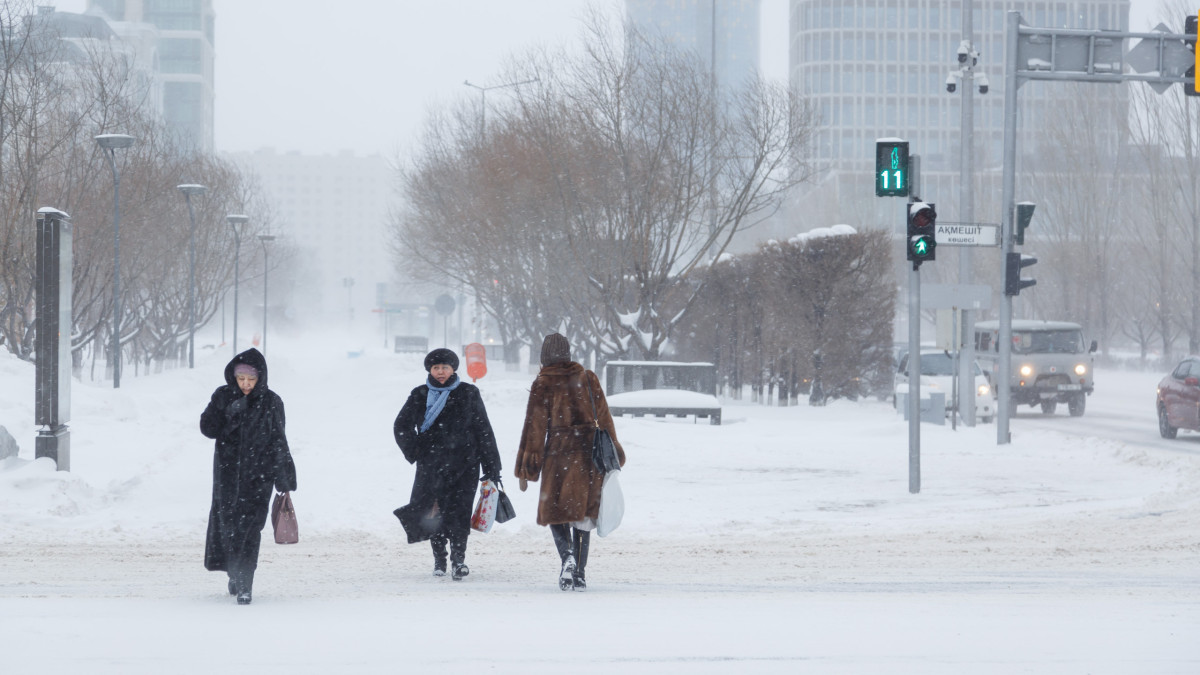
point(967, 234)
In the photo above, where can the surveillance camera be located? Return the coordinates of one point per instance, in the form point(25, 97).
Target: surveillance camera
point(983, 83)
point(964, 49)
point(951, 83)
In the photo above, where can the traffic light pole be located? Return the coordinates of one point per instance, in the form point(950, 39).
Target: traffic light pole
point(1003, 379)
point(914, 376)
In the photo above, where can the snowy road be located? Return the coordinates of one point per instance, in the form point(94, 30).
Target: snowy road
point(782, 541)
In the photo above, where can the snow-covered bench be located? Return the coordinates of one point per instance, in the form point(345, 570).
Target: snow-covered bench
point(662, 388)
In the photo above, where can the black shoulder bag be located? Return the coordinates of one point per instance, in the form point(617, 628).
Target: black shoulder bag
point(604, 453)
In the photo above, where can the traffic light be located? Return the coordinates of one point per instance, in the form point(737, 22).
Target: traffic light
point(922, 235)
point(1024, 215)
point(891, 168)
point(1189, 28)
point(1013, 283)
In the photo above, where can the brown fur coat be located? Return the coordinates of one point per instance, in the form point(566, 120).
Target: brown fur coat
point(556, 443)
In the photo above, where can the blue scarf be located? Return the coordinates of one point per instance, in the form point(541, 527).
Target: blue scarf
point(435, 400)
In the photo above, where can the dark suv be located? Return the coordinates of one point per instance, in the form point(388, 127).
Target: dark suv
point(1178, 398)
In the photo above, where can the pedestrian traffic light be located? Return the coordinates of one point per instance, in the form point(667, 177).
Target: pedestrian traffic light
point(891, 168)
point(922, 235)
point(1013, 283)
point(1189, 28)
point(1024, 215)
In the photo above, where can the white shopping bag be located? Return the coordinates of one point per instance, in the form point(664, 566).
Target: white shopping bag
point(612, 504)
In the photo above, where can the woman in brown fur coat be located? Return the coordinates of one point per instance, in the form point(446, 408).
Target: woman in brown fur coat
point(565, 402)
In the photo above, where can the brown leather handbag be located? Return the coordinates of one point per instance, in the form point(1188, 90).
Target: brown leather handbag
point(283, 519)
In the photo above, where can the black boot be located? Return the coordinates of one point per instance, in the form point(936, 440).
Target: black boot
point(438, 542)
point(245, 581)
point(566, 551)
point(582, 539)
point(458, 555)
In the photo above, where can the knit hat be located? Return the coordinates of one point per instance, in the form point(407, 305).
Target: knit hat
point(245, 369)
point(555, 349)
point(441, 355)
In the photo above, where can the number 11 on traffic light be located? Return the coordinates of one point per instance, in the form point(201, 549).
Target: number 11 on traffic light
point(891, 168)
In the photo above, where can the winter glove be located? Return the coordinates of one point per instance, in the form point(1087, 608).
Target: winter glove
point(238, 405)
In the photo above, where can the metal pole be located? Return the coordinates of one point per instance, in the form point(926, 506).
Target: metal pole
point(116, 339)
point(237, 248)
point(266, 269)
point(234, 220)
point(1008, 194)
point(188, 190)
point(964, 338)
point(914, 379)
point(191, 284)
point(265, 238)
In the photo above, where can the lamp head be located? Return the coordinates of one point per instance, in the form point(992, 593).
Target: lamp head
point(114, 141)
point(191, 189)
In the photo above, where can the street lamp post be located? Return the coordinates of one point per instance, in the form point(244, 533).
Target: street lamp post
point(188, 190)
point(483, 98)
point(235, 220)
point(111, 143)
point(348, 283)
point(264, 238)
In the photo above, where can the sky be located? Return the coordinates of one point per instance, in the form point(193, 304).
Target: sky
point(784, 540)
point(320, 77)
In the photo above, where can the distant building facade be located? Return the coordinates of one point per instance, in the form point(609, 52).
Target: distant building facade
point(334, 210)
point(878, 68)
point(724, 32)
point(184, 55)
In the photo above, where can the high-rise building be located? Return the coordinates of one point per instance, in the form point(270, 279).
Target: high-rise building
point(185, 59)
point(878, 68)
point(334, 210)
point(724, 33)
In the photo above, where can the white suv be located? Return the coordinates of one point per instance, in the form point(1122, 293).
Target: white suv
point(937, 375)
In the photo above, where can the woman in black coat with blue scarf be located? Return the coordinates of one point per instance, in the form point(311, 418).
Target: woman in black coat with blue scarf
point(251, 456)
point(444, 429)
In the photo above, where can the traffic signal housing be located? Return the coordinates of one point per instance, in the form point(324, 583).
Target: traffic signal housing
point(1013, 283)
point(891, 168)
point(1024, 216)
point(922, 233)
point(1190, 27)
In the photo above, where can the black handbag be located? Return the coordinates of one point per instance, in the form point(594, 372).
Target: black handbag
point(504, 508)
point(604, 452)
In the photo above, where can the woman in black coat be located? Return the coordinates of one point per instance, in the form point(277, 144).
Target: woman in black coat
point(246, 419)
point(443, 428)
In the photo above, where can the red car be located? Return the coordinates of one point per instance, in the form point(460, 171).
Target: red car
point(1179, 398)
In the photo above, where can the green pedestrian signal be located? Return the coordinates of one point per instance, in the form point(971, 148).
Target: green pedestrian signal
point(891, 168)
point(922, 233)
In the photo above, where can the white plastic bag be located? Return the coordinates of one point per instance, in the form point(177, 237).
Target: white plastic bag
point(485, 511)
point(612, 504)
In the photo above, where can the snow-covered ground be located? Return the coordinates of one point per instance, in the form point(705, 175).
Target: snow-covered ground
point(784, 540)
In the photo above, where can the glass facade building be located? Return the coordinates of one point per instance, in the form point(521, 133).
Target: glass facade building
point(185, 60)
point(878, 68)
point(731, 26)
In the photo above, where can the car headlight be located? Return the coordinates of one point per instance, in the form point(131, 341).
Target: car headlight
point(1081, 369)
point(984, 389)
point(1026, 371)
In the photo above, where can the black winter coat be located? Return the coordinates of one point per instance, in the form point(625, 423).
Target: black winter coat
point(451, 453)
point(251, 456)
